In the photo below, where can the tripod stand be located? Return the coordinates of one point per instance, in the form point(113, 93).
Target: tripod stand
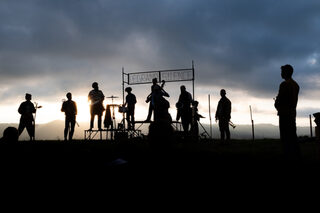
point(113, 112)
point(205, 131)
point(34, 121)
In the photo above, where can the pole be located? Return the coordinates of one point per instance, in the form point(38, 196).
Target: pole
point(310, 126)
point(203, 128)
point(210, 116)
point(123, 118)
point(122, 85)
point(34, 122)
point(193, 80)
point(252, 123)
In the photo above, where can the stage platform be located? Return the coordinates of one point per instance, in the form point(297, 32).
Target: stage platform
point(175, 124)
point(110, 134)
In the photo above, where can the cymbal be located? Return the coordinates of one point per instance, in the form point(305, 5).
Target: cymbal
point(113, 96)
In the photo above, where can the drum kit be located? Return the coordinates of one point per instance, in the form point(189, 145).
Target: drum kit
point(121, 108)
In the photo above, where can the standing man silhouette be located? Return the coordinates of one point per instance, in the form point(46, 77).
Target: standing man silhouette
point(223, 114)
point(69, 107)
point(26, 109)
point(131, 102)
point(155, 87)
point(96, 97)
point(184, 109)
point(286, 103)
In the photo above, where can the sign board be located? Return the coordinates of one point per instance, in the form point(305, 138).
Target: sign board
point(166, 75)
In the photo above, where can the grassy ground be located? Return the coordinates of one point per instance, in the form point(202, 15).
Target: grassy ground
point(139, 153)
point(239, 167)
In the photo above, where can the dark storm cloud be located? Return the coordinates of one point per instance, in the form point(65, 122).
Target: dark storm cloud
point(235, 44)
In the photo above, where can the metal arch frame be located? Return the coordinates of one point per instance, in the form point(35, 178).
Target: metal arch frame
point(157, 71)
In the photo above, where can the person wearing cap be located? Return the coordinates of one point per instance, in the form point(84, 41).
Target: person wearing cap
point(286, 104)
point(96, 97)
point(26, 109)
point(69, 107)
point(223, 114)
point(130, 102)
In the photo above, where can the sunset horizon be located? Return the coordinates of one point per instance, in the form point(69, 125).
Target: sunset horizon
point(50, 48)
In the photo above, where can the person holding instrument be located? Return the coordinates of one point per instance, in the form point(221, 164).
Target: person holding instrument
point(26, 109)
point(96, 97)
point(151, 97)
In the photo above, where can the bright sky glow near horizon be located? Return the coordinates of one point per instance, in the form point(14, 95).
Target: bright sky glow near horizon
point(51, 47)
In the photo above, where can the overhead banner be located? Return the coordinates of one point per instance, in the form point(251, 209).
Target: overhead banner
point(166, 75)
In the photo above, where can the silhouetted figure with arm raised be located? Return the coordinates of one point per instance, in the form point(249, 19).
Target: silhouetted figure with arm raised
point(69, 107)
point(286, 103)
point(223, 114)
point(26, 109)
point(96, 107)
point(184, 110)
point(130, 102)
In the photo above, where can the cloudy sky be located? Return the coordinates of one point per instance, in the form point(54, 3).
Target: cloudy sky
point(51, 47)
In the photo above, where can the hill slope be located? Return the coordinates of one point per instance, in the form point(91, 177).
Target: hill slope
point(54, 131)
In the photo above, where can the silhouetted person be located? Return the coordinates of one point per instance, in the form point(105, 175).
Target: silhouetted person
point(108, 121)
point(223, 114)
point(26, 109)
point(108, 118)
point(184, 110)
point(195, 119)
point(317, 121)
point(69, 107)
point(317, 118)
point(160, 131)
point(96, 107)
point(130, 102)
point(10, 135)
point(150, 98)
point(286, 103)
point(161, 106)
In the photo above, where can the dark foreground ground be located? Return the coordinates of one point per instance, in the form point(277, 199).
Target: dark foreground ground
point(139, 167)
point(242, 173)
point(142, 156)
